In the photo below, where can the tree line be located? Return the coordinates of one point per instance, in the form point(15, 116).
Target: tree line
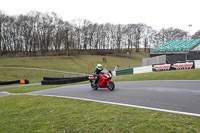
point(46, 32)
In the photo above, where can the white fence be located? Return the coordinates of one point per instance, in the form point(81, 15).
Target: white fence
point(144, 69)
point(197, 63)
point(148, 69)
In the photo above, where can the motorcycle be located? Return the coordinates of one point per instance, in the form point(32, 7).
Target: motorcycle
point(104, 81)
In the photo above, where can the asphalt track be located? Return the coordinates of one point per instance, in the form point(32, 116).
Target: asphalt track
point(173, 96)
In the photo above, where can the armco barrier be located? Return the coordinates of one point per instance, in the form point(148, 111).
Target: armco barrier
point(56, 81)
point(197, 63)
point(124, 72)
point(144, 69)
point(158, 67)
point(14, 82)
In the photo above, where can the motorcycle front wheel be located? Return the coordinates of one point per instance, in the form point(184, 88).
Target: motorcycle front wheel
point(111, 86)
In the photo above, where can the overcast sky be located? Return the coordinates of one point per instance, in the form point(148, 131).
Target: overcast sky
point(155, 13)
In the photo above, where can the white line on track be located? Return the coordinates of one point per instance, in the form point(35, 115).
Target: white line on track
point(122, 104)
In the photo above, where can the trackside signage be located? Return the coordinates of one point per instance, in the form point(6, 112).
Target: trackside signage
point(161, 67)
point(176, 66)
point(188, 65)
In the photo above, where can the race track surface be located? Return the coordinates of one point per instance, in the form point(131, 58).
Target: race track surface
point(181, 96)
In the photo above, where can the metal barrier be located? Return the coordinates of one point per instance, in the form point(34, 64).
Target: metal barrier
point(197, 63)
point(144, 69)
point(124, 72)
point(147, 69)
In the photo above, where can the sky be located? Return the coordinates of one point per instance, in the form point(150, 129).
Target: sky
point(155, 13)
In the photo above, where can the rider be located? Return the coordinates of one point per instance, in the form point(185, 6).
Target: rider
point(97, 71)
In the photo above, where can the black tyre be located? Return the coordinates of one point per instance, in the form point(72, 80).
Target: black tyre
point(94, 86)
point(111, 86)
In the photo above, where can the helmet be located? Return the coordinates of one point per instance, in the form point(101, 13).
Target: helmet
point(99, 66)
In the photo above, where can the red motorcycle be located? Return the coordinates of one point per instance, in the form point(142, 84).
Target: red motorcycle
point(104, 81)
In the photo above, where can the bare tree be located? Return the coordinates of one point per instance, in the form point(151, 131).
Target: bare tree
point(139, 30)
point(66, 36)
point(196, 35)
point(43, 33)
point(2, 21)
point(147, 37)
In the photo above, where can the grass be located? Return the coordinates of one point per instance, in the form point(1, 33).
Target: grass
point(49, 114)
point(191, 74)
point(64, 63)
point(70, 63)
point(25, 89)
point(34, 76)
point(22, 114)
point(31, 88)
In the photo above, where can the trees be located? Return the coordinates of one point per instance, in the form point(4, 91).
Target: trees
point(2, 20)
point(38, 33)
point(171, 34)
point(147, 37)
point(67, 33)
point(196, 35)
point(139, 31)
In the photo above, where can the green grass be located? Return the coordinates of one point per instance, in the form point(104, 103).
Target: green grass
point(192, 74)
point(49, 114)
point(34, 76)
point(24, 89)
point(64, 63)
point(70, 63)
point(23, 114)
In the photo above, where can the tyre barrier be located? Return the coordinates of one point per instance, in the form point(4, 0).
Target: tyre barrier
point(57, 81)
point(53, 78)
point(23, 81)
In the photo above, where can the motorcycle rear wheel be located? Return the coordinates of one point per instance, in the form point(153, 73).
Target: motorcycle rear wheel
point(111, 86)
point(94, 86)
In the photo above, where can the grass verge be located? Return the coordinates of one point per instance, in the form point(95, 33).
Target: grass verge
point(24, 89)
point(63, 63)
point(34, 76)
point(71, 63)
point(191, 74)
point(50, 114)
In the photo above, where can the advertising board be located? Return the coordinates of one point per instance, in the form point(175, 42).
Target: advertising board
point(176, 66)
